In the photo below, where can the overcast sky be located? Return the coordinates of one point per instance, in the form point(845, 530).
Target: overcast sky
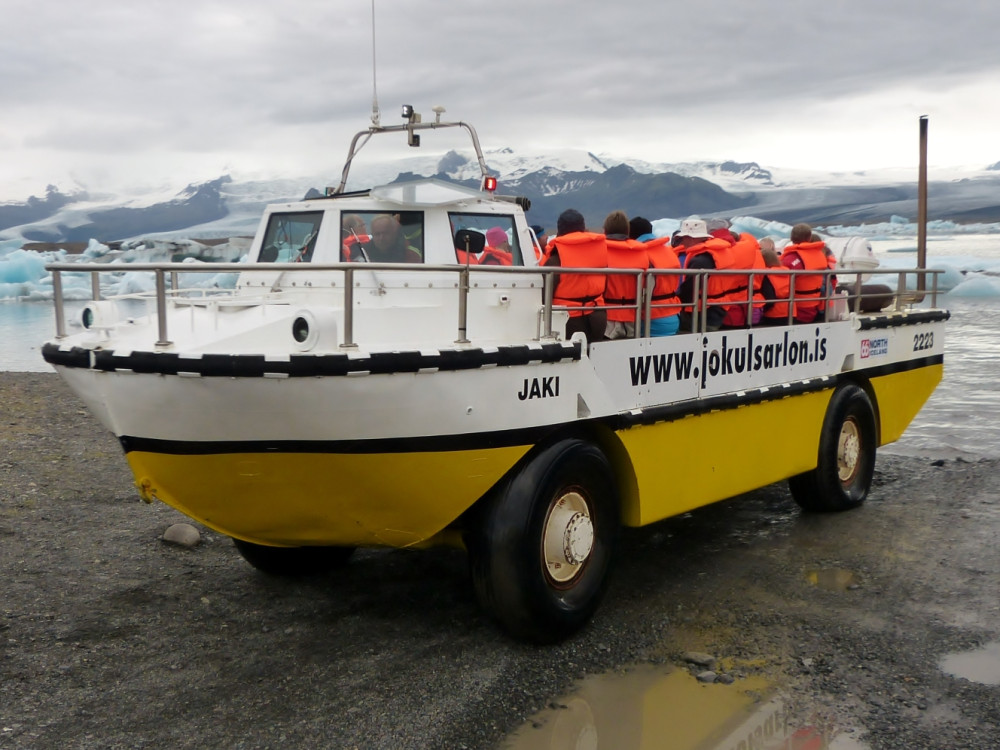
point(112, 93)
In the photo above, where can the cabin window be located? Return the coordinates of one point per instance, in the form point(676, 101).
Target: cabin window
point(382, 236)
point(290, 237)
point(483, 239)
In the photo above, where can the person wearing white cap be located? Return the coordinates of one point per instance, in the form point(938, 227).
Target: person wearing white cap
point(705, 252)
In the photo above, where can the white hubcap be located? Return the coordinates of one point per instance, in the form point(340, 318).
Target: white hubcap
point(848, 451)
point(568, 537)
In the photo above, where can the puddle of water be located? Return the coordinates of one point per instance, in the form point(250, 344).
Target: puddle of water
point(833, 579)
point(981, 665)
point(648, 707)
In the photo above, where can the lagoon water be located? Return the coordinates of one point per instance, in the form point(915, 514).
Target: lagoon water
point(962, 418)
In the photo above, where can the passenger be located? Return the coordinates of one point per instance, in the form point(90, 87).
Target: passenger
point(540, 235)
point(640, 228)
point(746, 250)
point(703, 251)
point(620, 289)
point(829, 282)
point(779, 284)
point(497, 250)
point(806, 254)
point(389, 244)
point(353, 226)
point(664, 312)
point(678, 246)
point(355, 234)
point(575, 247)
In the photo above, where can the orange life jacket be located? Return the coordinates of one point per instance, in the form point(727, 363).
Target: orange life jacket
point(579, 250)
point(351, 245)
point(619, 289)
point(493, 256)
point(663, 257)
point(466, 259)
point(808, 286)
point(747, 253)
point(782, 284)
point(720, 286)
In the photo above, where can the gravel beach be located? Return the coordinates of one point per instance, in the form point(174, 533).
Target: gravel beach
point(112, 638)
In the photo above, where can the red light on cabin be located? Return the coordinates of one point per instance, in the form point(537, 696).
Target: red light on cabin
point(489, 184)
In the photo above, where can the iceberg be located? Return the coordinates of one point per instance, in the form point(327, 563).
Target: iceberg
point(970, 254)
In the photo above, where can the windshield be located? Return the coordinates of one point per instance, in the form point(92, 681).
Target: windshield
point(382, 236)
point(484, 239)
point(290, 237)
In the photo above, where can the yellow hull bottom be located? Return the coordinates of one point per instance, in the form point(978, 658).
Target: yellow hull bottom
point(901, 396)
point(293, 499)
point(405, 499)
point(701, 459)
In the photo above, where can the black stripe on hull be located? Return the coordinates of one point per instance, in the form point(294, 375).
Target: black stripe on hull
point(310, 365)
point(905, 319)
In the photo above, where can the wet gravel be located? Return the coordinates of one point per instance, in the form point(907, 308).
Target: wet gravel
point(112, 638)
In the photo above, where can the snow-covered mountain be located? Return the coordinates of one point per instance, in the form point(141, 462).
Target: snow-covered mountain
point(594, 184)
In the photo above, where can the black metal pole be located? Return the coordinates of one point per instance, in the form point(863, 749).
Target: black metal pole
point(922, 206)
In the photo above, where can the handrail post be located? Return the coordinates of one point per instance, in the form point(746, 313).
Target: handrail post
point(637, 310)
point(348, 309)
point(95, 285)
point(791, 300)
point(463, 305)
point(161, 307)
point(548, 294)
point(750, 281)
point(696, 307)
point(57, 298)
point(647, 303)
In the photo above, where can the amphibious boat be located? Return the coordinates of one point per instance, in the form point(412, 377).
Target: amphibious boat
point(406, 393)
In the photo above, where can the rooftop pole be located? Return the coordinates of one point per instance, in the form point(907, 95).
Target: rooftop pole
point(922, 206)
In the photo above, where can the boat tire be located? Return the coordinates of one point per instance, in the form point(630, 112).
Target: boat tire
point(846, 457)
point(541, 547)
point(293, 561)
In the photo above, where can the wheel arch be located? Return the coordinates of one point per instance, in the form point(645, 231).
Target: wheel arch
point(595, 433)
point(866, 385)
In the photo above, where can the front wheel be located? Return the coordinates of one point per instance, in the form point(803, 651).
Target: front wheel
point(293, 561)
point(541, 548)
point(846, 458)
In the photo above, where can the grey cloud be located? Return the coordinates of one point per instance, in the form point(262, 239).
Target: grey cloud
point(221, 76)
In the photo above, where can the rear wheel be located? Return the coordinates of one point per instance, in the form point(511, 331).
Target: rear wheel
point(293, 561)
point(542, 546)
point(846, 458)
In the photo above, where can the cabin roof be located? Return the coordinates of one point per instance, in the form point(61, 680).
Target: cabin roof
point(426, 193)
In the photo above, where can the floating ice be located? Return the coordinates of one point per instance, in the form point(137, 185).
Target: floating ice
point(23, 275)
point(971, 270)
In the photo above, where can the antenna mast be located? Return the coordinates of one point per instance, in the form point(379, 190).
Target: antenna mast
point(376, 116)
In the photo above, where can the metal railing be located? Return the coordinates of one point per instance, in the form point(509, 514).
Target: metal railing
point(167, 288)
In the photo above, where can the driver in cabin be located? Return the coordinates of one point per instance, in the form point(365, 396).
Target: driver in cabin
point(389, 244)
